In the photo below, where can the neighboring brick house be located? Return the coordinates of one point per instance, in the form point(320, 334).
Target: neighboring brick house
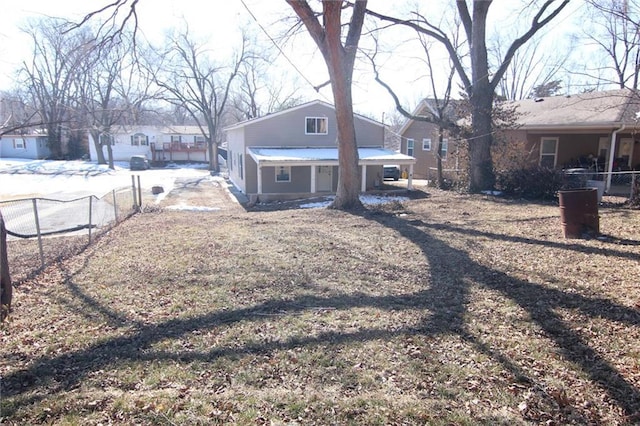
point(595, 130)
point(419, 139)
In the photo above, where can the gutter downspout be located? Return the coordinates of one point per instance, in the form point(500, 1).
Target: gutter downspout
point(612, 155)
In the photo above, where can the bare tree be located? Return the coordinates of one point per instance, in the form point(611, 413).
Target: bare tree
point(260, 91)
point(16, 114)
point(111, 90)
point(615, 31)
point(51, 74)
point(339, 59)
point(438, 108)
point(479, 82)
point(531, 67)
point(193, 81)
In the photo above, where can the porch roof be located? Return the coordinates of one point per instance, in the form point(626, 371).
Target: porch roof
point(325, 156)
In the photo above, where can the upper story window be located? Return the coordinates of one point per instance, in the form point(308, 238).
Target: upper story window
point(410, 147)
point(426, 144)
point(139, 139)
point(316, 126)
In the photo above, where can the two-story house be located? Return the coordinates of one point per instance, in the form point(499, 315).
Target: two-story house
point(294, 153)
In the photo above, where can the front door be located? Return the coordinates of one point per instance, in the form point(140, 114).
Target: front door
point(625, 150)
point(324, 179)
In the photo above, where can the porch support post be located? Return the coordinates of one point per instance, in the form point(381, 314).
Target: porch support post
point(410, 179)
point(363, 184)
point(612, 157)
point(313, 178)
point(259, 178)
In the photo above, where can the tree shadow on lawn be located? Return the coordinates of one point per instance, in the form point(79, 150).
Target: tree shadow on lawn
point(445, 298)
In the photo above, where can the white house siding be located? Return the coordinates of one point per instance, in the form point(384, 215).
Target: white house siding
point(235, 148)
point(123, 150)
point(35, 147)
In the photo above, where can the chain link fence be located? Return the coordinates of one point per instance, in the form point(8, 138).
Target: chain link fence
point(41, 231)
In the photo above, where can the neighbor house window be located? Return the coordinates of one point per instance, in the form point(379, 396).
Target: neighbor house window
point(410, 147)
point(240, 169)
point(176, 138)
point(106, 139)
point(444, 149)
point(19, 144)
point(426, 144)
point(139, 139)
point(548, 152)
point(316, 126)
point(198, 139)
point(283, 174)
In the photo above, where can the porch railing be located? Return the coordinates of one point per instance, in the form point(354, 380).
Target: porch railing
point(613, 183)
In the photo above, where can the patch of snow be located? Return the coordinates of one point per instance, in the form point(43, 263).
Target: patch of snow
point(24, 178)
point(365, 199)
point(496, 193)
point(184, 207)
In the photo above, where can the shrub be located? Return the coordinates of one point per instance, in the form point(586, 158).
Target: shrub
point(532, 183)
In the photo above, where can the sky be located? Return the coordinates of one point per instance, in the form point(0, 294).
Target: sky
point(220, 23)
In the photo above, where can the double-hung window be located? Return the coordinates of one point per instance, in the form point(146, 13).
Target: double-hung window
point(283, 174)
point(548, 152)
point(316, 126)
point(426, 144)
point(410, 147)
point(139, 139)
point(19, 144)
point(444, 149)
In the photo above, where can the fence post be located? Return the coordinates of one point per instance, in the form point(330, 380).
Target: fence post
point(90, 215)
point(133, 188)
point(139, 193)
point(115, 206)
point(6, 289)
point(35, 215)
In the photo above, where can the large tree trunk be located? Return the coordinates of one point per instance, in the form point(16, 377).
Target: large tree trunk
point(212, 148)
point(439, 158)
point(481, 176)
point(481, 96)
point(110, 155)
point(6, 290)
point(339, 60)
point(348, 191)
point(98, 146)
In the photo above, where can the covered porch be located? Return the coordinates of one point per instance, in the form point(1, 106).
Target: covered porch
point(285, 173)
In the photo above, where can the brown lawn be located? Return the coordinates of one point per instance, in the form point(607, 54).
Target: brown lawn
point(451, 309)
